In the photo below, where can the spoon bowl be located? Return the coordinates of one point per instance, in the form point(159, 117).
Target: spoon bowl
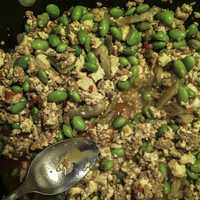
point(58, 167)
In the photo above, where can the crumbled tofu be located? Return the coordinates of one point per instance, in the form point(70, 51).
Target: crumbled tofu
point(98, 13)
point(125, 32)
point(177, 169)
point(86, 83)
point(98, 75)
point(105, 152)
point(79, 64)
point(88, 24)
point(144, 181)
point(95, 41)
point(114, 60)
point(126, 132)
point(196, 103)
point(187, 158)
point(164, 59)
point(152, 157)
point(92, 187)
point(26, 41)
point(26, 125)
point(2, 57)
point(75, 190)
point(42, 61)
point(43, 35)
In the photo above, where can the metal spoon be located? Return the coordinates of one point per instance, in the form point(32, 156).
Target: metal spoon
point(58, 167)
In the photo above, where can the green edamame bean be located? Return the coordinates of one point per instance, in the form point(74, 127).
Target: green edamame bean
point(179, 69)
point(162, 130)
point(53, 10)
point(74, 96)
point(133, 60)
point(123, 61)
point(28, 28)
point(116, 33)
point(135, 71)
point(123, 85)
point(192, 30)
point(174, 127)
point(87, 16)
point(134, 38)
point(198, 156)
point(54, 40)
point(17, 89)
point(190, 92)
point(40, 44)
point(61, 47)
point(119, 122)
point(180, 44)
point(129, 51)
point(63, 20)
point(58, 30)
point(91, 57)
point(106, 165)
point(195, 44)
point(59, 136)
point(195, 167)
point(130, 11)
point(87, 44)
point(148, 113)
point(117, 152)
point(166, 17)
point(18, 107)
point(167, 188)
point(183, 94)
point(23, 62)
point(143, 26)
point(177, 35)
point(84, 10)
point(27, 3)
point(146, 95)
point(91, 67)
point(15, 126)
point(42, 20)
point(35, 113)
point(158, 45)
point(26, 86)
point(104, 27)
point(77, 13)
point(57, 96)
point(43, 76)
point(116, 12)
point(138, 117)
point(147, 147)
point(163, 168)
point(191, 175)
point(142, 8)
point(82, 36)
point(78, 123)
point(189, 62)
point(160, 36)
point(78, 50)
point(67, 131)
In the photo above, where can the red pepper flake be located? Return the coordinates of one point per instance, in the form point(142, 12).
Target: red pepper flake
point(147, 45)
point(8, 94)
point(35, 99)
point(91, 88)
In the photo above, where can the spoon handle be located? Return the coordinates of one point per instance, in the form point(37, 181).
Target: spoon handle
point(20, 191)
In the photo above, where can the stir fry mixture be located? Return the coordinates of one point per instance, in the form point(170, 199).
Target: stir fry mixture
point(129, 78)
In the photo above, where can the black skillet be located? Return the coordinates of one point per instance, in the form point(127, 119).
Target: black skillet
point(12, 22)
